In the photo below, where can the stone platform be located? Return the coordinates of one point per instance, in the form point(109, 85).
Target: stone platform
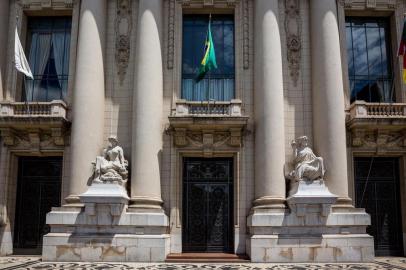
point(35, 263)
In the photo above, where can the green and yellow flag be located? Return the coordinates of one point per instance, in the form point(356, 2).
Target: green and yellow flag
point(402, 50)
point(209, 59)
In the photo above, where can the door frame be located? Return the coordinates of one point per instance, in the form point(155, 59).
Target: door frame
point(176, 205)
point(231, 225)
point(16, 180)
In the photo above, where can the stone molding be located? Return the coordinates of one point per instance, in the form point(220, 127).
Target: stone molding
point(46, 4)
point(293, 29)
point(369, 4)
point(123, 26)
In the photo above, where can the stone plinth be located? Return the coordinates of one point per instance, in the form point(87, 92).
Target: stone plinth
point(312, 231)
point(103, 230)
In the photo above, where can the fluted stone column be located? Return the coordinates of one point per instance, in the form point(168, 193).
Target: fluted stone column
point(328, 96)
point(4, 18)
point(269, 113)
point(147, 108)
point(88, 96)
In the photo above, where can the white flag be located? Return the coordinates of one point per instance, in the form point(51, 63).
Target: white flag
point(20, 59)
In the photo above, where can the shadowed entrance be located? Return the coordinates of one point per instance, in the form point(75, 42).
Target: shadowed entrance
point(207, 223)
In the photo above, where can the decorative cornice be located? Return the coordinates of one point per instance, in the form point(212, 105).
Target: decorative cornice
point(293, 29)
point(123, 26)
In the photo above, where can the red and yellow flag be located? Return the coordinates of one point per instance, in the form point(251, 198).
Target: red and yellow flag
point(402, 50)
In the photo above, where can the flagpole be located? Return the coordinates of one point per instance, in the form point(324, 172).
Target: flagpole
point(208, 92)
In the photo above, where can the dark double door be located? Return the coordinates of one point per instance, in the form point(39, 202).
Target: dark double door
point(38, 189)
point(377, 190)
point(207, 220)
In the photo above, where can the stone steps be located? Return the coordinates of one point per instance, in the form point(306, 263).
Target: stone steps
point(207, 257)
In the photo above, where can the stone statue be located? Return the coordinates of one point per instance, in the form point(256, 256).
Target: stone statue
point(307, 166)
point(112, 166)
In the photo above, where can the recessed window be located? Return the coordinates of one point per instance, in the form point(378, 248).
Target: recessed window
point(218, 84)
point(48, 55)
point(369, 59)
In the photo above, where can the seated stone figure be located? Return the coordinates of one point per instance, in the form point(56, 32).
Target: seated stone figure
point(112, 166)
point(307, 166)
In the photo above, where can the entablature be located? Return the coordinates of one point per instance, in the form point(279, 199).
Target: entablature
point(34, 126)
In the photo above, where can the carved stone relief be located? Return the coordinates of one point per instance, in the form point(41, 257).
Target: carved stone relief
point(123, 26)
point(171, 33)
point(34, 139)
point(368, 4)
point(293, 28)
point(40, 4)
point(379, 140)
point(208, 2)
point(207, 140)
point(247, 6)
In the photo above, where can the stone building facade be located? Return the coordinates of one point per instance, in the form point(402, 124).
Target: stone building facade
point(207, 172)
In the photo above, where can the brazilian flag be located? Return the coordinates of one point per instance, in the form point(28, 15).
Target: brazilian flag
point(209, 59)
point(402, 50)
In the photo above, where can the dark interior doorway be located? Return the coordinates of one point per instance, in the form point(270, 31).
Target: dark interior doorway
point(38, 189)
point(207, 221)
point(377, 190)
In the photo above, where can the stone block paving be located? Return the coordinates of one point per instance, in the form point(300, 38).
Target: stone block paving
point(35, 263)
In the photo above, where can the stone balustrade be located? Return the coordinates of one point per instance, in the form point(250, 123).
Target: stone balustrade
point(208, 108)
point(362, 109)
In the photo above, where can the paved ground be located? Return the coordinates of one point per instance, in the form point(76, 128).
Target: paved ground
point(34, 263)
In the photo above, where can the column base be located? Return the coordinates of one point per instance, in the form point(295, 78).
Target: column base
point(270, 202)
point(142, 203)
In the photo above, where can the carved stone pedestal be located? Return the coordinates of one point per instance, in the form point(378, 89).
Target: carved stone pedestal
point(103, 230)
point(312, 231)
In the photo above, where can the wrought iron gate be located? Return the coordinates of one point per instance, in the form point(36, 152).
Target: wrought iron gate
point(377, 190)
point(38, 189)
point(207, 221)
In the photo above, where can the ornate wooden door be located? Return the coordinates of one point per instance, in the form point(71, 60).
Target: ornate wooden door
point(38, 189)
point(377, 190)
point(207, 221)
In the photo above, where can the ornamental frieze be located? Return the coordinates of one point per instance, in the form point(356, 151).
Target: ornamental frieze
point(207, 140)
point(379, 140)
point(369, 4)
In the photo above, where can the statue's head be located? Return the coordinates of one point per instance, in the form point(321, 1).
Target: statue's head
point(302, 141)
point(113, 140)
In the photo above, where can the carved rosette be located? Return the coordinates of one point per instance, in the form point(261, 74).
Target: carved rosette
point(293, 29)
point(123, 26)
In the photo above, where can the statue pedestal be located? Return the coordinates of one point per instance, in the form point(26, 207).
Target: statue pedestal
point(311, 231)
point(103, 229)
